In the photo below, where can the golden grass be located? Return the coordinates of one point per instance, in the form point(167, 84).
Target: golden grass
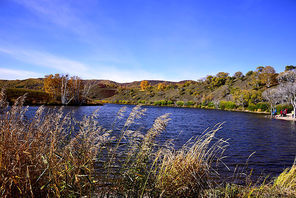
point(188, 171)
point(39, 158)
point(54, 155)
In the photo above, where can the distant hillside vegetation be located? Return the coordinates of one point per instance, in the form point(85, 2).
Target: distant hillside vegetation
point(239, 91)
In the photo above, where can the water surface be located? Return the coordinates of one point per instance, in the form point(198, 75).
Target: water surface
point(273, 141)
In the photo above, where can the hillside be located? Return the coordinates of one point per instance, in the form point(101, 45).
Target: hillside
point(242, 90)
point(219, 91)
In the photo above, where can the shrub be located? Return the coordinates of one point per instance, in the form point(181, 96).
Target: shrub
point(252, 107)
point(157, 103)
point(284, 106)
point(189, 103)
point(211, 105)
point(263, 106)
point(227, 105)
point(180, 103)
point(169, 102)
point(141, 101)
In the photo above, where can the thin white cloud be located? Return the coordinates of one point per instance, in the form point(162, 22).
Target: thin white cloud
point(57, 12)
point(12, 74)
point(46, 60)
point(63, 65)
point(72, 18)
point(120, 75)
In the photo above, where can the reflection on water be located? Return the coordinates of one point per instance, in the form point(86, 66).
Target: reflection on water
point(273, 141)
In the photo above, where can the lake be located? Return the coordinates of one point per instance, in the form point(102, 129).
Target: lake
point(273, 141)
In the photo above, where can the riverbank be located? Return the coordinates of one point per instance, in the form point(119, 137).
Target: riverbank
point(289, 117)
point(192, 107)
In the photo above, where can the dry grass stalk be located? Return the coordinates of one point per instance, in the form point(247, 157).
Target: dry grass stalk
point(54, 155)
point(187, 172)
point(42, 157)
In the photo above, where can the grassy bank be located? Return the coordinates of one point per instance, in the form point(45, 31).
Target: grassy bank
point(54, 155)
point(223, 105)
point(38, 97)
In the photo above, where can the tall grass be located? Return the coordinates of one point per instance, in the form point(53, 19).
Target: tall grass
point(54, 155)
point(42, 157)
point(188, 171)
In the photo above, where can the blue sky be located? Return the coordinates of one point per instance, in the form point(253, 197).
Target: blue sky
point(127, 40)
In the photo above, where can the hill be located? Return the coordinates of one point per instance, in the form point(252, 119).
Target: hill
point(218, 91)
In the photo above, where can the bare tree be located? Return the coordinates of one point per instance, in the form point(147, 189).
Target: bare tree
point(87, 86)
point(287, 87)
point(273, 97)
point(65, 93)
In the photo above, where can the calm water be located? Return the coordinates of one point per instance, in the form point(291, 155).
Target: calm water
point(274, 141)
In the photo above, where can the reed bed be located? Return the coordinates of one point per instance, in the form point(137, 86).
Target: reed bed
point(54, 155)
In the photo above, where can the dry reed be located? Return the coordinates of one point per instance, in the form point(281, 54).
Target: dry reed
point(54, 155)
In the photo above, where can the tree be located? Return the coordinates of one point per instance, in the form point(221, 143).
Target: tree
point(238, 75)
point(87, 86)
point(273, 97)
point(249, 73)
point(161, 86)
point(259, 69)
point(268, 76)
point(290, 67)
point(222, 75)
point(144, 85)
point(67, 89)
point(52, 85)
point(287, 87)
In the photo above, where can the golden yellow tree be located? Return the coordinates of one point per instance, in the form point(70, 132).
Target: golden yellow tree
point(67, 89)
point(161, 86)
point(144, 85)
point(52, 85)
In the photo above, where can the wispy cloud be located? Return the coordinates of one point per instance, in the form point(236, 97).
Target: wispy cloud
point(46, 59)
point(120, 75)
point(12, 74)
point(60, 64)
point(72, 18)
point(57, 12)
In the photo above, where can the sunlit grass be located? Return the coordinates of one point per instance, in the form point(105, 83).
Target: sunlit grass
point(54, 155)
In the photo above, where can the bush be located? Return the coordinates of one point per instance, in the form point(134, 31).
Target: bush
point(211, 105)
point(141, 101)
point(160, 103)
point(189, 103)
point(227, 105)
point(284, 106)
point(252, 107)
point(169, 102)
point(180, 103)
point(263, 106)
point(157, 103)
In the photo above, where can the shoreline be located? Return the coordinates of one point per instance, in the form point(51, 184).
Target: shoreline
point(192, 107)
point(287, 118)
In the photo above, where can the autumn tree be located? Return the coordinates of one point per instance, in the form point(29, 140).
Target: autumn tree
point(238, 75)
point(259, 69)
point(67, 89)
point(52, 85)
point(144, 85)
point(268, 76)
point(222, 75)
point(161, 86)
